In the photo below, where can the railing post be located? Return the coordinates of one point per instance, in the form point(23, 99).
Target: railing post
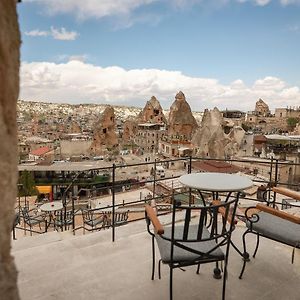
point(73, 216)
point(190, 165)
point(275, 179)
point(154, 179)
point(113, 201)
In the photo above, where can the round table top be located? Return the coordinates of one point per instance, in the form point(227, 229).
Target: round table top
point(52, 206)
point(216, 182)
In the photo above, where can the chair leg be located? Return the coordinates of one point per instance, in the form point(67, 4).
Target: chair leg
point(153, 258)
point(198, 268)
point(217, 271)
point(224, 278)
point(171, 283)
point(245, 254)
point(257, 244)
point(159, 268)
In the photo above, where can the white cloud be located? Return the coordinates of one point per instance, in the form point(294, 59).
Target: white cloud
point(63, 34)
point(57, 33)
point(36, 32)
point(92, 8)
point(79, 82)
point(287, 2)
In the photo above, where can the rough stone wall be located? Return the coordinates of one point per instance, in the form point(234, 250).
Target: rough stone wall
point(9, 90)
point(211, 140)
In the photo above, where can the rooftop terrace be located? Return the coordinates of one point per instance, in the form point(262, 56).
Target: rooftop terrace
point(61, 266)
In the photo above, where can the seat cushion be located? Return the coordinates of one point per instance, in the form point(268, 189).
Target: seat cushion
point(181, 255)
point(277, 228)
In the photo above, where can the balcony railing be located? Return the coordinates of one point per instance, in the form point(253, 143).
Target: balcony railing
point(161, 189)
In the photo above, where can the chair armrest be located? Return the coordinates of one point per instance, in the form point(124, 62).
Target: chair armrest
point(222, 211)
point(155, 221)
point(287, 192)
point(278, 213)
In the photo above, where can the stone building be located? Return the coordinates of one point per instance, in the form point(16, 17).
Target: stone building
point(148, 136)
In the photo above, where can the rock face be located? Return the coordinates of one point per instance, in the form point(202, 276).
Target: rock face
point(152, 112)
point(181, 120)
point(261, 108)
point(105, 136)
point(129, 130)
point(9, 91)
point(211, 140)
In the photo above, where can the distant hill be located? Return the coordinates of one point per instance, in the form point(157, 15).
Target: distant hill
point(47, 108)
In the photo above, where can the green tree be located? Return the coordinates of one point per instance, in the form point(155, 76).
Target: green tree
point(292, 122)
point(28, 184)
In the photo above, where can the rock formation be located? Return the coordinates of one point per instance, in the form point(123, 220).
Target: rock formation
point(9, 91)
point(211, 140)
point(105, 136)
point(181, 120)
point(129, 130)
point(261, 108)
point(152, 112)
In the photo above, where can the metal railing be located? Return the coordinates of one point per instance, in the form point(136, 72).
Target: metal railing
point(268, 172)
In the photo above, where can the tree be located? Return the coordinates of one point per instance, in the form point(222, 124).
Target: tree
point(292, 122)
point(28, 184)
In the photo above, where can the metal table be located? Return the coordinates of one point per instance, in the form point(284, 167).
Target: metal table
point(50, 208)
point(216, 182)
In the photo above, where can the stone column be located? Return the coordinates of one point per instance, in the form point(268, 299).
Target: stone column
point(9, 91)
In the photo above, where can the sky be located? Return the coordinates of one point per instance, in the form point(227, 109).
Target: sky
point(219, 53)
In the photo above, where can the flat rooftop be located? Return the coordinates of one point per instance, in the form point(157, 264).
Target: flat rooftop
point(62, 267)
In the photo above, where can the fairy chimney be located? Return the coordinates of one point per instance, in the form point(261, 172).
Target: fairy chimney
point(261, 108)
point(152, 112)
point(105, 132)
point(181, 120)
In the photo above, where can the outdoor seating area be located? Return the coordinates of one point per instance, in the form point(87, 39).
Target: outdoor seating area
point(199, 233)
point(63, 266)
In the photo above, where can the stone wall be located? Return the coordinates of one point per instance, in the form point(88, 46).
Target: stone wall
point(9, 90)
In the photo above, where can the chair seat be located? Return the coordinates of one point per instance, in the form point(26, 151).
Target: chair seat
point(181, 255)
point(277, 228)
point(94, 222)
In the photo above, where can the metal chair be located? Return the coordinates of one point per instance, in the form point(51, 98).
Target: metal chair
point(269, 222)
point(33, 218)
point(94, 219)
point(63, 219)
point(194, 240)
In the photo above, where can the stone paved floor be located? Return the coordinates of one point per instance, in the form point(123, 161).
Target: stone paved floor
point(62, 267)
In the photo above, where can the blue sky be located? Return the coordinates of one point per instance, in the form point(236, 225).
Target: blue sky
point(224, 53)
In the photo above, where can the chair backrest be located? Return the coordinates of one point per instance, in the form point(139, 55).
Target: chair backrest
point(203, 223)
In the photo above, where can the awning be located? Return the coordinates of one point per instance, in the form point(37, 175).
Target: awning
point(44, 189)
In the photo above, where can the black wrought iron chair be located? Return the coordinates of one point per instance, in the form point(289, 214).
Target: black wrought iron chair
point(121, 218)
point(195, 240)
point(269, 222)
point(33, 218)
point(94, 219)
point(63, 219)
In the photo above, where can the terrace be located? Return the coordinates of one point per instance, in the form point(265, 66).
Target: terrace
point(116, 263)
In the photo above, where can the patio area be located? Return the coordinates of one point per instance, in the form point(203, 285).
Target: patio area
point(60, 266)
